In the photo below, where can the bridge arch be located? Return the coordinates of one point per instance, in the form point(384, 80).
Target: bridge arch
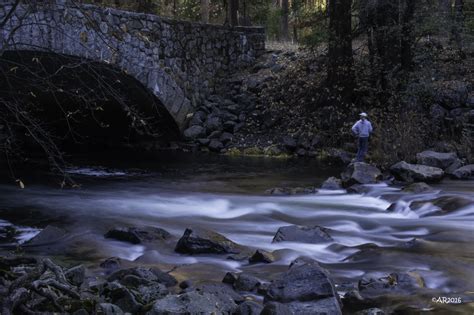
point(179, 62)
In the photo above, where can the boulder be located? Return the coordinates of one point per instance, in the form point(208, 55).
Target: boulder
point(226, 137)
point(108, 309)
point(48, 235)
point(123, 298)
point(200, 241)
point(249, 308)
point(332, 183)
point(194, 132)
point(151, 292)
point(194, 303)
point(415, 172)
point(454, 166)
point(213, 123)
point(303, 284)
point(302, 234)
point(464, 172)
point(360, 173)
point(436, 159)
point(289, 143)
point(246, 282)
point(261, 256)
point(137, 235)
point(215, 145)
point(76, 275)
point(221, 290)
point(417, 188)
point(275, 308)
point(229, 278)
point(147, 274)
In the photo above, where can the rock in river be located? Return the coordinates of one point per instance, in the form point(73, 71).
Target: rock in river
point(332, 183)
point(464, 172)
point(436, 159)
point(360, 173)
point(415, 172)
point(137, 235)
point(305, 287)
point(199, 241)
point(303, 234)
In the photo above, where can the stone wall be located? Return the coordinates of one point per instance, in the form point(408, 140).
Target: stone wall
point(180, 62)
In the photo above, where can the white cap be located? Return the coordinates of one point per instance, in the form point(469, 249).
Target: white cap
point(363, 114)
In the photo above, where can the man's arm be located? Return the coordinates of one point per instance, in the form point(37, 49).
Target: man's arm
point(355, 128)
point(370, 127)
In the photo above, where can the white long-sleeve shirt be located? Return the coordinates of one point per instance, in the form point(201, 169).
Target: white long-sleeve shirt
point(362, 128)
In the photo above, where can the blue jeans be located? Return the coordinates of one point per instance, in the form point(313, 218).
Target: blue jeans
point(362, 150)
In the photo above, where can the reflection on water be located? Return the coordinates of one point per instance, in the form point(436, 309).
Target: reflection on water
point(227, 196)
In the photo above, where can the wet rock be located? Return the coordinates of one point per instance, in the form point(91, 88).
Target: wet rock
point(137, 235)
point(275, 308)
point(229, 278)
point(149, 293)
point(360, 173)
point(305, 281)
point(332, 183)
point(249, 308)
point(148, 274)
point(215, 145)
point(246, 282)
point(261, 256)
point(358, 189)
point(185, 284)
point(327, 306)
point(370, 311)
point(112, 263)
point(108, 309)
point(124, 299)
point(193, 303)
point(220, 290)
point(76, 275)
point(194, 132)
point(418, 188)
point(436, 159)
point(395, 283)
point(50, 234)
point(415, 172)
point(200, 241)
point(302, 234)
point(464, 172)
point(454, 166)
point(278, 191)
point(449, 204)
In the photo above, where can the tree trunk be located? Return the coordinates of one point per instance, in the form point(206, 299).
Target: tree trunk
point(205, 11)
point(340, 73)
point(407, 35)
point(233, 12)
point(284, 19)
point(458, 23)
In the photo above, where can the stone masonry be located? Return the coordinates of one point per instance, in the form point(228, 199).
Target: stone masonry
point(180, 62)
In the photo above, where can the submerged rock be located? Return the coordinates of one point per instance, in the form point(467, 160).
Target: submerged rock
point(332, 183)
point(137, 235)
point(200, 241)
point(417, 188)
point(436, 159)
point(303, 234)
point(415, 172)
point(50, 234)
point(360, 173)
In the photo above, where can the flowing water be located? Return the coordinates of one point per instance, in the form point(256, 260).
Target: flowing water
point(227, 195)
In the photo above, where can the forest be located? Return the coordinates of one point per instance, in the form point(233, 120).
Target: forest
point(236, 157)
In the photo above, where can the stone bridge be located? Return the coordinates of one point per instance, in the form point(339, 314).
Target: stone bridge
point(179, 62)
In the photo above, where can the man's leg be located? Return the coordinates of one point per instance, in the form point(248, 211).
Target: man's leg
point(364, 147)
point(359, 156)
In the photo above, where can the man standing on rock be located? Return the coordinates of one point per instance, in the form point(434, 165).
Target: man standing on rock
point(362, 130)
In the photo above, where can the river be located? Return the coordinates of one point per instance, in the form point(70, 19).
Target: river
point(227, 194)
